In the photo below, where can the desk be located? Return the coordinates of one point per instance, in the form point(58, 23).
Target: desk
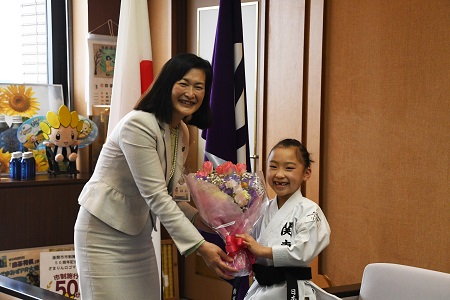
point(22, 290)
point(40, 212)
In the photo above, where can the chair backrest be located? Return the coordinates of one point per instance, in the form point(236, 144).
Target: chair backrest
point(398, 282)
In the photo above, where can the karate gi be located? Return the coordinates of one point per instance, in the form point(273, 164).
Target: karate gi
point(297, 233)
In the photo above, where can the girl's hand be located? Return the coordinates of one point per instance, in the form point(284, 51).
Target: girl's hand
point(254, 247)
point(215, 258)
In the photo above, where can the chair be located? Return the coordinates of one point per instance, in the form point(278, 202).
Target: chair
point(388, 281)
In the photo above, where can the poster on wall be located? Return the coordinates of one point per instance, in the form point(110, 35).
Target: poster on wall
point(24, 264)
point(21, 265)
point(59, 273)
point(101, 61)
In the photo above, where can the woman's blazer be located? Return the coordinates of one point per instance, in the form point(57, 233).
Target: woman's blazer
point(131, 179)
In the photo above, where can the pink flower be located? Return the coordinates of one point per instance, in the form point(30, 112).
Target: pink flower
point(207, 167)
point(241, 168)
point(220, 170)
point(201, 173)
point(225, 169)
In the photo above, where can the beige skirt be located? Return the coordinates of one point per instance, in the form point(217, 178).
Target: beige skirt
point(112, 264)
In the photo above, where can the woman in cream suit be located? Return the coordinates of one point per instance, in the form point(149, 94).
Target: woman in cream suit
point(138, 168)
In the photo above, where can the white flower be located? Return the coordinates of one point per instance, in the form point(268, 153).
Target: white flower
point(231, 184)
point(242, 197)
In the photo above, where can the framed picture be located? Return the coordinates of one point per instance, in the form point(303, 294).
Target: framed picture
point(101, 60)
point(20, 104)
point(29, 100)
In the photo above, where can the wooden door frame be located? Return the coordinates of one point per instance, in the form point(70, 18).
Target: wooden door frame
point(312, 99)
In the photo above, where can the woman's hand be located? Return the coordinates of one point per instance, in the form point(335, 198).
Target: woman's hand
point(215, 258)
point(256, 248)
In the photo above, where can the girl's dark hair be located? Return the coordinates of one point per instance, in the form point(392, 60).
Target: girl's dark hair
point(302, 154)
point(158, 97)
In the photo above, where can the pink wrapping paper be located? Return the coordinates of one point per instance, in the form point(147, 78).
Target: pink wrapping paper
point(225, 216)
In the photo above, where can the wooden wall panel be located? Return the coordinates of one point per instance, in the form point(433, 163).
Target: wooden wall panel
point(80, 30)
point(160, 17)
point(292, 86)
point(285, 34)
point(99, 12)
point(312, 106)
point(386, 135)
point(40, 212)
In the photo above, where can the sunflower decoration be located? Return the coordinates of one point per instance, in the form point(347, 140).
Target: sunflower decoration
point(41, 160)
point(2, 110)
point(18, 100)
point(5, 157)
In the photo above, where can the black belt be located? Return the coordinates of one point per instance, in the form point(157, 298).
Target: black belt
point(272, 275)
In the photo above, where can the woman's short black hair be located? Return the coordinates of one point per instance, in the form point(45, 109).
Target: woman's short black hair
point(158, 97)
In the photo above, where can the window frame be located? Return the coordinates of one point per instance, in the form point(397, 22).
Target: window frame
point(61, 52)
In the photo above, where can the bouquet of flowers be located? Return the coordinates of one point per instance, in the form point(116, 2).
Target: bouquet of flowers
point(230, 200)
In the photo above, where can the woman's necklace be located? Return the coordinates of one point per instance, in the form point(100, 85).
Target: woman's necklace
point(174, 140)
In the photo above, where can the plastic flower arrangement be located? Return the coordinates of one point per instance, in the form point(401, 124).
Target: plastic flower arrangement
point(231, 201)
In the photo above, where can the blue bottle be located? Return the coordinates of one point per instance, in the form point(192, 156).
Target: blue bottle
point(3, 125)
point(8, 138)
point(15, 170)
point(28, 166)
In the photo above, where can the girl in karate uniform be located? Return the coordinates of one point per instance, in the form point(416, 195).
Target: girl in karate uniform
point(291, 233)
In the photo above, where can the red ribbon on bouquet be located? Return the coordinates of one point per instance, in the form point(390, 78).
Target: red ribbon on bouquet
point(234, 244)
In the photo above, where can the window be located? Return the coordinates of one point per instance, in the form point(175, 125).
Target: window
point(23, 29)
point(36, 42)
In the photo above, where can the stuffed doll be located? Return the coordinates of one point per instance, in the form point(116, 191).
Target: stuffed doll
point(61, 133)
